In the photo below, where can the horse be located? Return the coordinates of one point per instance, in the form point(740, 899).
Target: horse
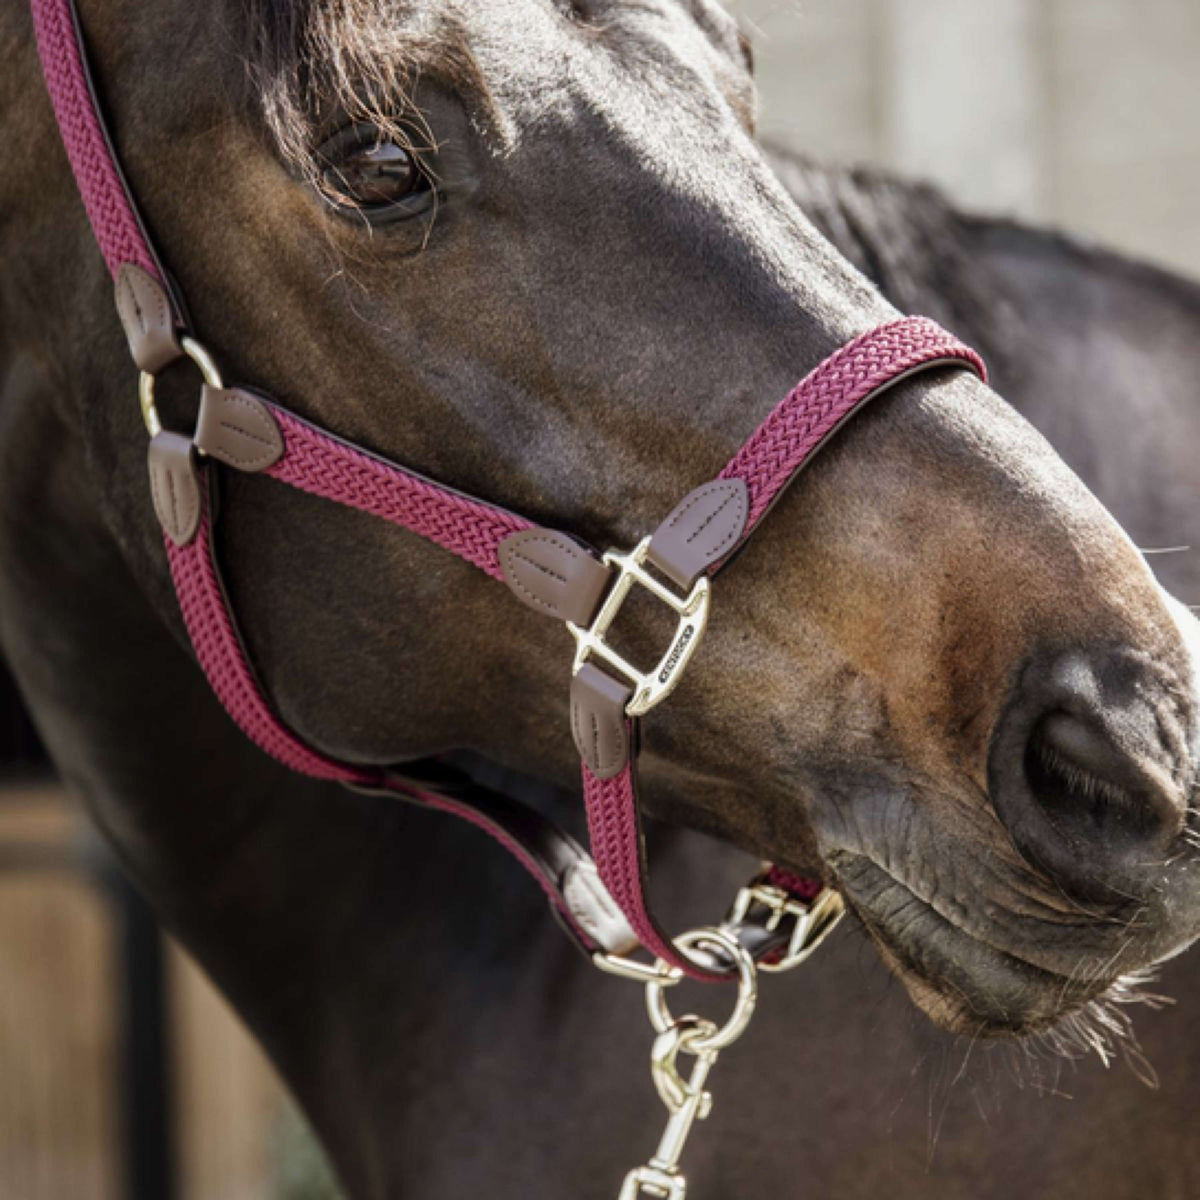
point(942, 677)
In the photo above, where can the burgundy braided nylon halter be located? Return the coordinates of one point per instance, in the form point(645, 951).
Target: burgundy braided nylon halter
point(552, 572)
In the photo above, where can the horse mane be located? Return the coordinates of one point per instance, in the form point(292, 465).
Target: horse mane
point(909, 239)
point(314, 63)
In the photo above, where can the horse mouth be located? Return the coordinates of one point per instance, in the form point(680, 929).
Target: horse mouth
point(968, 986)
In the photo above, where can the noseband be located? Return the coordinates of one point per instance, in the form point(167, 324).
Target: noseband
point(600, 900)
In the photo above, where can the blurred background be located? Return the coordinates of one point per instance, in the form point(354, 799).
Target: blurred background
point(122, 1075)
point(1075, 113)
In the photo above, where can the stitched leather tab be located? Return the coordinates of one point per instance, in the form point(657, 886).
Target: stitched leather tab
point(175, 486)
point(703, 528)
point(598, 720)
point(237, 428)
point(146, 315)
point(553, 574)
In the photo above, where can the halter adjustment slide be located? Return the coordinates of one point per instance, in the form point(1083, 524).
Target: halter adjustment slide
point(653, 686)
point(768, 906)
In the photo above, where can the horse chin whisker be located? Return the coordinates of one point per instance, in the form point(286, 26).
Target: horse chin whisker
point(1104, 1027)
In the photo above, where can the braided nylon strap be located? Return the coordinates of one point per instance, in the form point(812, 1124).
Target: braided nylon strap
point(829, 393)
point(219, 649)
point(109, 209)
point(800, 886)
point(317, 463)
point(206, 614)
point(618, 850)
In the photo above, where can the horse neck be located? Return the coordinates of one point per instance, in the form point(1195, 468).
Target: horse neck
point(914, 245)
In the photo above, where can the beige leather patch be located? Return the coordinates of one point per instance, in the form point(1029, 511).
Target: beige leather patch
point(598, 721)
point(595, 910)
point(147, 318)
point(175, 486)
point(701, 530)
point(553, 574)
point(237, 428)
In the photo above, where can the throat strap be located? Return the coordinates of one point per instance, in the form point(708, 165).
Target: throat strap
point(603, 904)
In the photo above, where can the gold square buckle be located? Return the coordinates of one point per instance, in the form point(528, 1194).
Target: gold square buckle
point(762, 903)
point(692, 610)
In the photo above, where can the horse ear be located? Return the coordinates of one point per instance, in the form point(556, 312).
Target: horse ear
point(175, 485)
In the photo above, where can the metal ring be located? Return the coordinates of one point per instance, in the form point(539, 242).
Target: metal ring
point(208, 370)
point(728, 946)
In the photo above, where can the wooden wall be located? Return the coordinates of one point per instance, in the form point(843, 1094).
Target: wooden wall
point(59, 1134)
point(57, 1010)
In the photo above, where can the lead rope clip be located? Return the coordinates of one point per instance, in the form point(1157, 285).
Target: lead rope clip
point(758, 904)
point(686, 1100)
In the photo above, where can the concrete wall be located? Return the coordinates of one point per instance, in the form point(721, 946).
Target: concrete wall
point(1077, 113)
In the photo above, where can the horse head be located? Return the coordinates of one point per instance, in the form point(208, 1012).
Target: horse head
point(532, 250)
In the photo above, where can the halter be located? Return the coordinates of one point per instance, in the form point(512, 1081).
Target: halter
point(600, 900)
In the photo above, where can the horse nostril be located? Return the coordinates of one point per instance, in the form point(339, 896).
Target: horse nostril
point(1083, 775)
point(1086, 784)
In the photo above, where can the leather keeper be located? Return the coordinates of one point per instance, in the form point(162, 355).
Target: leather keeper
point(554, 574)
point(598, 721)
point(595, 911)
point(175, 486)
point(236, 427)
point(701, 530)
point(147, 318)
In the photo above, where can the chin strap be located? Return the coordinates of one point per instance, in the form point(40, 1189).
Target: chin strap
point(601, 902)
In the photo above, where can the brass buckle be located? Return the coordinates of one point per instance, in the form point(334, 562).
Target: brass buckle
point(650, 686)
point(654, 1182)
point(764, 904)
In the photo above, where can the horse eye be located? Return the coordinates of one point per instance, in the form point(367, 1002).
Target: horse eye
point(368, 173)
